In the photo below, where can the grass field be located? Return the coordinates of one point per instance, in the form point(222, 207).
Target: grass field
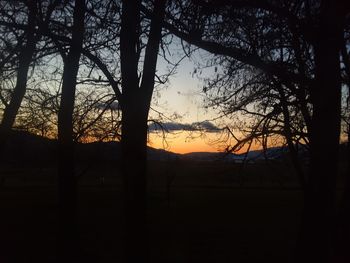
point(198, 212)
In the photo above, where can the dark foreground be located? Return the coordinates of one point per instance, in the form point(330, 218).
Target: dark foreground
point(197, 213)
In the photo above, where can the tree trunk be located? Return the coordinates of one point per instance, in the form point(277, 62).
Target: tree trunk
point(317, 234)
point(67, 184)
point(134, 169)
point(25, 58)
point(135, 106)
point(343, 233)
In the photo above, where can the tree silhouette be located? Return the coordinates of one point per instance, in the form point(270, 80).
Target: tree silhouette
point(67, 182)
point(135, 105)
point(25, 54)
point(318, 24)
point(289, 48)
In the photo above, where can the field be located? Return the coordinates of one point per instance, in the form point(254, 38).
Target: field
point(198, 212)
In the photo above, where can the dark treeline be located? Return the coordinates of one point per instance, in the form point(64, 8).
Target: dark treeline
point(283, 64)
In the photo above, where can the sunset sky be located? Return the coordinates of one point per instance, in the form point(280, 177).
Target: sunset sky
point(183, 97)
point(183, 142)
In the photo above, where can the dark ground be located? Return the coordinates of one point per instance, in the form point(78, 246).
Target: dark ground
point(210, 213)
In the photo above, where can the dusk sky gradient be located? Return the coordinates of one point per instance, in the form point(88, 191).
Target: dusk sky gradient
point(183, 96)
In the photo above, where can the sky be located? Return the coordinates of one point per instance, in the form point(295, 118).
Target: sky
point(183, 98)
point(184, 142)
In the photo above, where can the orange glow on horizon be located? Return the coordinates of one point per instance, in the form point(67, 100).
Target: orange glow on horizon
point(184, 142)
point(180, 142)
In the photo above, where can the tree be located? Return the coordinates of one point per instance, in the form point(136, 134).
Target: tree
point(26, 51)
point(66, 31)
point(135, 105)
point(343, 231)
point(67, 184)
point(319, 24)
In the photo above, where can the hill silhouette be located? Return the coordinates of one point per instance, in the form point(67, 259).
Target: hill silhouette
point(25, 146)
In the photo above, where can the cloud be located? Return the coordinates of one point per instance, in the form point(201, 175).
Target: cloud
point(169, 126)
point(112, 106)
point(206, 126)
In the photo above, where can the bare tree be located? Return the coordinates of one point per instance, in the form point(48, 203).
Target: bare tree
point(67, 183)
point(22, 18)
point(25, 55)
point(135, 107)
point(319, 25)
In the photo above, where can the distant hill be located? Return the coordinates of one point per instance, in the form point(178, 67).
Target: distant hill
point(24, 146)
point(252, 156)
point(28, 147)
point(109, 151)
